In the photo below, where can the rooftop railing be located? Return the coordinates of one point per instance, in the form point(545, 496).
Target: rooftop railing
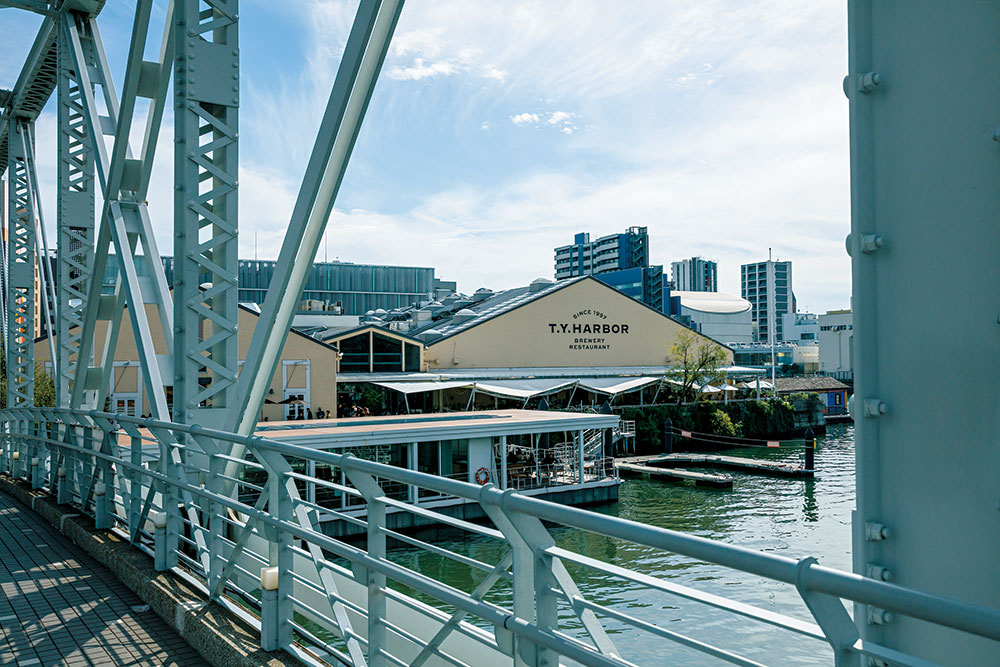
point(257, 547)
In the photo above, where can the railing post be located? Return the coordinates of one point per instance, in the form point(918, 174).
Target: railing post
point(100, 505)
point(282, 558)
point(135, 487)
point(36, 482)
point(62, 489)
point(374, 581)
point(579, 456)
point(168, 492)
point(160, 548)
point(269, 608)
point(216, 523)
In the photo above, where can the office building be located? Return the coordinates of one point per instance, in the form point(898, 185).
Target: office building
point(609, 253)
point(341, 288)
point(770, 295)
point(695, 275)
point(836, 344)
point(801, 328)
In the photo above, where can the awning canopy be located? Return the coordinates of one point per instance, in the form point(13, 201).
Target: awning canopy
point(615, 386)
point(522, 388)
point(421, 387)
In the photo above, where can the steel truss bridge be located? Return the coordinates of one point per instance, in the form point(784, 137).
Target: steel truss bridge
point(236, 514)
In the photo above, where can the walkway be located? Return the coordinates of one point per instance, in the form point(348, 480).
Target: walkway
point(61, 607)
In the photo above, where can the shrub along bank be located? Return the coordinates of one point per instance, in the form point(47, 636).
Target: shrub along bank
point(761, 420)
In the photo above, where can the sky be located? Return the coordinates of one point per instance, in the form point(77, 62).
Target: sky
point(499, 130)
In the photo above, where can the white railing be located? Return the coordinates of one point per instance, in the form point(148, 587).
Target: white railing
point(163, 486)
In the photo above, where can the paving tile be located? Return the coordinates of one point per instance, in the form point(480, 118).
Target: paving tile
point(60, 607)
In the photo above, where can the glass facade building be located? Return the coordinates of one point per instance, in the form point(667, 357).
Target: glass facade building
point(350, 289)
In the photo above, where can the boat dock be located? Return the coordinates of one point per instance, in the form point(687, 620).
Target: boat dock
point(738, 463)
point(638, 466)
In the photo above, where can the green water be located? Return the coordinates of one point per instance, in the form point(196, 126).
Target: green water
point(793, 518)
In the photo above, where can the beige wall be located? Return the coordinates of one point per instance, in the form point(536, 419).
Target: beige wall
point(322, 363)
point(611, 330)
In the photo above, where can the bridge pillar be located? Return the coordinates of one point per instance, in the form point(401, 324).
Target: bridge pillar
point(923, 82)
point(206, 132)
point(75, 220)
point(21, 269)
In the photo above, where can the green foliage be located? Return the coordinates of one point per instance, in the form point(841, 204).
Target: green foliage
point(721, 424)
point(696, 360)
point(760, 420)
point(372, 399)
point(45, 389)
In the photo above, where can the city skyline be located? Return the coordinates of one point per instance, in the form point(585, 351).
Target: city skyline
point(495, 135)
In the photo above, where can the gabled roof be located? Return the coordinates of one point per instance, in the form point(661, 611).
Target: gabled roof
point(511, 299)
point(330, 334)
point(496, 305)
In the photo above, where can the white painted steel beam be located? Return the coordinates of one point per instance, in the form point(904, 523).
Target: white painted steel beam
point(125, 221)
point(363, 56)
point(923, 84)
point(20, 340)
point(206, 173)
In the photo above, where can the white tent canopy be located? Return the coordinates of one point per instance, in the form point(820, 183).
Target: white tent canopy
point(522, 388)
point(421, 387)
point(615, 386)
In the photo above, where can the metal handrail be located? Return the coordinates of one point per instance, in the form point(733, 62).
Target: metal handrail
point(56, 434)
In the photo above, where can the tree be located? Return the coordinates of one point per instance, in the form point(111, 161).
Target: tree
point(695, 360)
point(45, 388)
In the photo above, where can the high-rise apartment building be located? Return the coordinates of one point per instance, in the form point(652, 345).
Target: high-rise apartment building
point(768, 287)
point(609, 253)
point(695, 275)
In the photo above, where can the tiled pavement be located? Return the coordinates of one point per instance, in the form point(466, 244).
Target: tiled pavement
point(58, 606)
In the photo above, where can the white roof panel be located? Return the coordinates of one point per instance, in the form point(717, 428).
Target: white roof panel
point(421, 387)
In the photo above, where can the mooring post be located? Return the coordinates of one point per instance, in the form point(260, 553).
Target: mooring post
point(668, 436)
point(810, 449)
point(36, 481)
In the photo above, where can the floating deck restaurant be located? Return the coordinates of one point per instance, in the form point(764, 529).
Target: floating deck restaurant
point(554, 455)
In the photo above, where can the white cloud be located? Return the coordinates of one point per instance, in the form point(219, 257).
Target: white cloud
point(557, 117)
point(719, 125)
point(421, 70)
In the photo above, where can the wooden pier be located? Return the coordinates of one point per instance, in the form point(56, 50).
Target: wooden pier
point(753, 466)
point(636, 466)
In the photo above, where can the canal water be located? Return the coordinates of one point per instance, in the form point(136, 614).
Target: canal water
point(793, 518)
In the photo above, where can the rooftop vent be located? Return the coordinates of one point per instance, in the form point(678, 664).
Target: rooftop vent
point(430, 335)
point(482, 294)
point(463, 316)
point(538, 284)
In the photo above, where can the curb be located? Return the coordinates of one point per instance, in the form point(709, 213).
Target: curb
point(222, 638)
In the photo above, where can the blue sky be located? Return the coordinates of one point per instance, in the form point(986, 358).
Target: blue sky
point(498, 130)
